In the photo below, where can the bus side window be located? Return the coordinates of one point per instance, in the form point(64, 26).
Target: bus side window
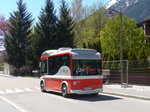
point(51, 65)
point(56, 62)
point(65, 60)
point(43, 67)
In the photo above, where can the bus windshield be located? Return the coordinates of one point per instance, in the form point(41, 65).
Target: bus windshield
point(86, 67)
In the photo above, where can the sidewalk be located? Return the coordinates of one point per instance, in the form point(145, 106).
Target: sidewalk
point(4, 75)
point(133, 91)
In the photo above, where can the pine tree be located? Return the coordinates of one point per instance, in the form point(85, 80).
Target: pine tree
point(16, 40)
point(65, 27)
point(45, 30)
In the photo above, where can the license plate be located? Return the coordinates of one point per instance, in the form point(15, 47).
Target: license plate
point(87, 88)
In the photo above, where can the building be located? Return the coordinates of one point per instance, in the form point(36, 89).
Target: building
point(2, 48)
point(2, 52)
point(145, 25)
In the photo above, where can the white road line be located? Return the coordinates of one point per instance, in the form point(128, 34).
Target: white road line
point(8, 91)
point(1, 92)
point(11, 103)
point(37, 88)
point(27, 89)
point(18, 90)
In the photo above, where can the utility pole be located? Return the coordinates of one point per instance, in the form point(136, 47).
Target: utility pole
point(121, 46)
point(121, 40)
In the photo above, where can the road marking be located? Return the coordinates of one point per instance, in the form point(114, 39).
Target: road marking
point(8, 91)
point(18, 90)
point(11, 103)
point(27, 89)
point(1, 92)
point(37, 88)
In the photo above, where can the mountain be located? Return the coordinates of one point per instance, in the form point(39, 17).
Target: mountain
point(138, 9)
point(118, 4)
point(111, 3)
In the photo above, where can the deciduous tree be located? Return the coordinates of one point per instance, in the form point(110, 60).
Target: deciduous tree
point(92, 26)
point(3, 25)
point(134, 45)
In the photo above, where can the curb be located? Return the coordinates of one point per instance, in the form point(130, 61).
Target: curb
point(2, 75)
point(127, 95)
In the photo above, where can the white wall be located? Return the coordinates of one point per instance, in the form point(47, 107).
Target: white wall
point(8, 69)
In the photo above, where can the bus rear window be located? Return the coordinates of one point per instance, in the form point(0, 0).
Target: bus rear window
point(86, 67)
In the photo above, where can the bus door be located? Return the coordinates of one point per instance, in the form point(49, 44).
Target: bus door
point(55, 66)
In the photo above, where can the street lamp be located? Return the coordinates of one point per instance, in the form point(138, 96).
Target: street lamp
point(121, 40)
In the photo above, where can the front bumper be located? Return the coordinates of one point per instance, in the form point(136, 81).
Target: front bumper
point(86, 91)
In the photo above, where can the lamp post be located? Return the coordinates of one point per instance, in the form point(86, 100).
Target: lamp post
point(121, 40)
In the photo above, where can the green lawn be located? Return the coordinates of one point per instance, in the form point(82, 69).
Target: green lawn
point(1, 66)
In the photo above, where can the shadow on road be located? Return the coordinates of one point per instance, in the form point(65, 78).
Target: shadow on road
point(89, 98)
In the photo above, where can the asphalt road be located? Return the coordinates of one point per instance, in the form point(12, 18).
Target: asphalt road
point(23, 95)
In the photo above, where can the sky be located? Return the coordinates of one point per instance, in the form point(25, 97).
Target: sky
point(34, 6)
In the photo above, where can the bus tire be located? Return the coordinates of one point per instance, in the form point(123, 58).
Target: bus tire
point(42, 86)
point(64, 90)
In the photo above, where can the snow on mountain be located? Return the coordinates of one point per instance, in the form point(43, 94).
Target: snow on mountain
point(127, 3)
point(138, 9)
point(136, 1)
point(117, 4)
point(111, 3)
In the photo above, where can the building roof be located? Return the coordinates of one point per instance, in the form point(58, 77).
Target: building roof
point(2, 48)
point(146, 21)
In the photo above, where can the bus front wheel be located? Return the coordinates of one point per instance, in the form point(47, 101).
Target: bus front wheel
point(64, 90)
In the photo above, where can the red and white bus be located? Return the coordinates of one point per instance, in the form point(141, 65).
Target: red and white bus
point(71, 71)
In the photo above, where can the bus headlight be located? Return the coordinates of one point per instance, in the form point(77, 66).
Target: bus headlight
point(75, 83)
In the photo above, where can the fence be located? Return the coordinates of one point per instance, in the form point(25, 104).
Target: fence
point(134, 71)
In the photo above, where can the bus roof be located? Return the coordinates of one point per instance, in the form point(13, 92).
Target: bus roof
point(80, 53)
